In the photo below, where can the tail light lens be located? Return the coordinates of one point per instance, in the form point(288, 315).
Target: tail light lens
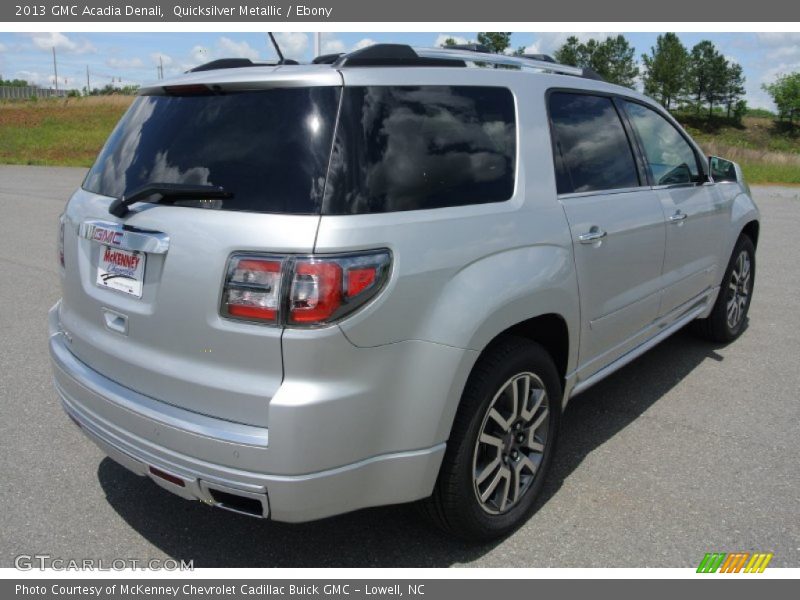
point(253, 288)
point(316, 291)
point(302, 291)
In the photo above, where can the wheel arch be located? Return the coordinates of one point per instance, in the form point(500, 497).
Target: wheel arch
point(751, 230)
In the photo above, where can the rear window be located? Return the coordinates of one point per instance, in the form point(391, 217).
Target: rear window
point(269, 148)
point(410, 148)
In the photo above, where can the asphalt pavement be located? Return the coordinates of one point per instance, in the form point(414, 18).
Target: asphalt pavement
point(692, 448)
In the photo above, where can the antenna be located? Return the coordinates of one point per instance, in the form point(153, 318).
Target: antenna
point(277, 48)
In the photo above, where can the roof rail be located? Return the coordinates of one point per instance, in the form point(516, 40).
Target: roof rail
point(471, 47)
point(544, 57)
point(395, 55)
point(402, 55)
point(520, 62)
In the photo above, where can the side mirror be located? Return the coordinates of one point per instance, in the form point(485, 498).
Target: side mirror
point(721, 169)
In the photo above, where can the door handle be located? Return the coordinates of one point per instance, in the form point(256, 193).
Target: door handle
point(677, 217)
point(594, 234)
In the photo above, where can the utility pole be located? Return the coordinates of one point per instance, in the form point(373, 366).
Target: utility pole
point(88, 85)
point(160, 67)
point(55, 68)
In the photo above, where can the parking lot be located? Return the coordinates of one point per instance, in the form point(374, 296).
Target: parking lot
point(692, 448)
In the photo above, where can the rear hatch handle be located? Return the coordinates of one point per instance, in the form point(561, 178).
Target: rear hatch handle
point(161, 192)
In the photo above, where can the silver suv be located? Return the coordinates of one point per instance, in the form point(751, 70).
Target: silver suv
point(293, 291)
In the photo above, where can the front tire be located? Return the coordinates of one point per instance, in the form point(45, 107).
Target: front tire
point(501, 443)
point(728, 318)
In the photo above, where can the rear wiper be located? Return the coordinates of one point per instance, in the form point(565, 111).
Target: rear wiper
point(167, 191)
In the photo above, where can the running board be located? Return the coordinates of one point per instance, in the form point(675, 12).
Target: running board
point(639, 350)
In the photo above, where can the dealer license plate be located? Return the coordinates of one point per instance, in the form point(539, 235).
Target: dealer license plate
point(121, 270)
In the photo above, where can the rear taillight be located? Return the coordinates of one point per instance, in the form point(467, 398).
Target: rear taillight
point(61, 223)
point(316, 292)
point(301, 291)
point(253, 288)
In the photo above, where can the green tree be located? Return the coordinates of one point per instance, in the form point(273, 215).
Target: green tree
point(665, 69)
point(449, 42)
point(495, 41)
point(785, 92)
point(612, 59)
point(708, 73)
point(568, 54)
point(734, 90)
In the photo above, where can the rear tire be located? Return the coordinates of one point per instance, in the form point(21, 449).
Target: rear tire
point(728, 318)
point(501, 444)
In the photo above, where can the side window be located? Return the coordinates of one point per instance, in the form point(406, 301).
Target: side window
point(671, 159)
point(592, 149)
point(422, 147)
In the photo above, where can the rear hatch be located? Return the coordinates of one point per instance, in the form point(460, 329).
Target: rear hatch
point(142, 292)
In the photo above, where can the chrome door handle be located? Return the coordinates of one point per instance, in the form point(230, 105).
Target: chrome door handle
point(594, 234)
point(677, 217)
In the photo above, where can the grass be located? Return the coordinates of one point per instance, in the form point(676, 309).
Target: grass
point(71, 131)
point(58, 131)
point(767, 150)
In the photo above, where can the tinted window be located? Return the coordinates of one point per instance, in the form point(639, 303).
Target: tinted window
point(592, 149)
point(669, 156)
point(409, 148)
point(270, 148)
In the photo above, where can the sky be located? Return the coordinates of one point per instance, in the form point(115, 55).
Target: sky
point(132, 58)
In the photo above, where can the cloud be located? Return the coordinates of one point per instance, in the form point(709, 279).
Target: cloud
point(3, 48)
point(230, 49)
point(548, 43)
point(332, 46)
point(365, 43)
point(440, 39)
point(46, 41)
point(224, 47)
point(125, 63)
point(293, 44)
point(534, 48)
point(34, 77)
point(201, 54)
point(776, 38)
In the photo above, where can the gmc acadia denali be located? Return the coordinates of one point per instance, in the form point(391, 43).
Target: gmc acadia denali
point(293, 291)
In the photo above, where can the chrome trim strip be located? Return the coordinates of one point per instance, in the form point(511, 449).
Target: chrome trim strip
point(610, 192)
point(114, 234)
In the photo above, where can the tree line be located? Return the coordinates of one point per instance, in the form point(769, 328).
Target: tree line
point(697, 79)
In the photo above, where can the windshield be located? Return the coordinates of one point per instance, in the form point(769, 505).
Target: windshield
point(269, 148)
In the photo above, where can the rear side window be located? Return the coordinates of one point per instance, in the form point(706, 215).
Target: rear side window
point(671, 159)
point(592, 151)
point(270, 148)
point(410, 148)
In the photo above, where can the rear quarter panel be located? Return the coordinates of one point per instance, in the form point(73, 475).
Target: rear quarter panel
point(462, 275)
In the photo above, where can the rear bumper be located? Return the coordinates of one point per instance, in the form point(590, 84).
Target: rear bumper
point(209, 459)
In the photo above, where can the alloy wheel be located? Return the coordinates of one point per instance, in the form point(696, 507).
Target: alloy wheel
point(738, 290)
point(511, 443)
